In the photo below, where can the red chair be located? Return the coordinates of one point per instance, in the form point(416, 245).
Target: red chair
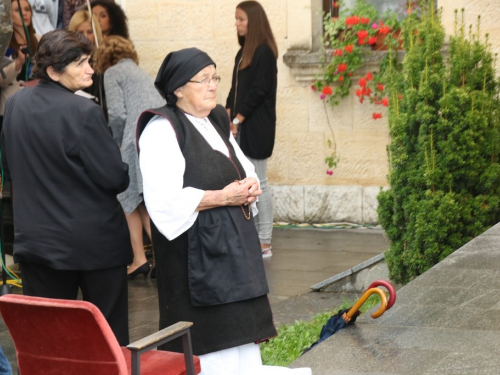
point(55, 336)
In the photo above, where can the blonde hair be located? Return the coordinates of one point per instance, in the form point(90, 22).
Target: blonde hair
point(83, 16)
point(113, 49)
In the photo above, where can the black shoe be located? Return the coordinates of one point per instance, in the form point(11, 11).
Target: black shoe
point(144, 269)
point(153, 272)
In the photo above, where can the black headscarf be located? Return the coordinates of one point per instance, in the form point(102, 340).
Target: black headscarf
point(177, 69)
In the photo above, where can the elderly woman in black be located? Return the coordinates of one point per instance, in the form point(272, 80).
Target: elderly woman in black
point(66, 170)
point(199, 189)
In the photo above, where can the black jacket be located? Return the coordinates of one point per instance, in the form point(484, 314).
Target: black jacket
point(66, 171)
point(253, 94)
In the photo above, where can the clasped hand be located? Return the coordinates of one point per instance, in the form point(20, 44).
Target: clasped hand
point(243, 192)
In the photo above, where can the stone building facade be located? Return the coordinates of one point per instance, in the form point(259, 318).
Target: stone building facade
point(302, 191)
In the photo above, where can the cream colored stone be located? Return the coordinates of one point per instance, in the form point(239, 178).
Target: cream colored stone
point(143, 20)
point(299, 13)
point(325, 204)
point(370, 204)
point(292, 111)
point(186, 20)
point(278, 166)
point(288, 203)
point(306, 158)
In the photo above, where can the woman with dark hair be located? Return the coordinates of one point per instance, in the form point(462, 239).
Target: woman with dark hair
point(129, 92)
point(251, 104)
point(111, 17)
point(199, 189)
point(21, 49)
point(66, 171)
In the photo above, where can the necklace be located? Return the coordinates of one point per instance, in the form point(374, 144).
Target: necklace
point(247, 216)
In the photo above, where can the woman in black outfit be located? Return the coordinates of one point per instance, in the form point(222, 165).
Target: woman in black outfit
point(66, 171)
point(251, 103)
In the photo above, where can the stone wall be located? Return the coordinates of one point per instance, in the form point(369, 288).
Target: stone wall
point(301, 188)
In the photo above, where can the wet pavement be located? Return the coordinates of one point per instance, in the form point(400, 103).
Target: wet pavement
point(446, 321)
point(301, 258)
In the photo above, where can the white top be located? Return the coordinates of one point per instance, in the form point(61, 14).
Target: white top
point(170, 206)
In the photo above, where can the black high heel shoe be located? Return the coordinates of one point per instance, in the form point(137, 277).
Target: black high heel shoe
point(144, 269)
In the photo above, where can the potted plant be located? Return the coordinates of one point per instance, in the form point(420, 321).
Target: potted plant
point(347, 40)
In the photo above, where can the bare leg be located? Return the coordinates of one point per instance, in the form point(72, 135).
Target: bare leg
point(145, 219)
point(134, 222)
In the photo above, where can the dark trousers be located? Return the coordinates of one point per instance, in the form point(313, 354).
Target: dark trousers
point(106, 288)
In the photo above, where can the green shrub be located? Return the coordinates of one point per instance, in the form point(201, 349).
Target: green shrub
point(444, 151)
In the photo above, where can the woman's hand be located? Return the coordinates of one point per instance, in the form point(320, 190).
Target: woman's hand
point(234, 129)
point(236, 193)
point(241, 192)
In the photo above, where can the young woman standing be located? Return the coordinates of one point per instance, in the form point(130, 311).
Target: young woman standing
point(22, 47)
point(251, 103)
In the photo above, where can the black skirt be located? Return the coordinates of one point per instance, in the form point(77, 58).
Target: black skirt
point(215, 327)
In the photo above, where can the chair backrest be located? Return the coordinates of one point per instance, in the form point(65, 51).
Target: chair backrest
point(55, 336)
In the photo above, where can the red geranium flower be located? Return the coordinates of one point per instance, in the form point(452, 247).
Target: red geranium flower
point(362, 34)
point(327, 90)
point(369, 76)
point(337, 52)
point(384, 30)
point(376, 115)
point(348, 48)
point(364, 20)
point(352, 20)
point(342, 67)
point(341, 79)
point(385, 102)
point(380, 86)
point(372, 40)
point(362, 82)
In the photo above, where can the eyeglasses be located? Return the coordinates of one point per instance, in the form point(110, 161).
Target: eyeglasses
point(207, 81)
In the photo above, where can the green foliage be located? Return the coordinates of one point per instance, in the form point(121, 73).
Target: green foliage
point(293, 339)
point(444, 151)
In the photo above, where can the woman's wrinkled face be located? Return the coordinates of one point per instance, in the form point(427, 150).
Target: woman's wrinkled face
point(103, 17)
point(241, 22)
point(85, 28)
point(25, 10)
point(200, 96)
point(76, 76)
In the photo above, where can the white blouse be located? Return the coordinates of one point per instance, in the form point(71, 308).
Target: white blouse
point(171, 206)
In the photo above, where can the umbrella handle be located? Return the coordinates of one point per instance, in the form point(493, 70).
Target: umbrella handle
point(389, 287)
point(362, 300)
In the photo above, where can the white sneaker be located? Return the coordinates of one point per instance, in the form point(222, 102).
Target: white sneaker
point(266, 253)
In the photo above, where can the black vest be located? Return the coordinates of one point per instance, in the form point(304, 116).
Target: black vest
point(224, 255)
